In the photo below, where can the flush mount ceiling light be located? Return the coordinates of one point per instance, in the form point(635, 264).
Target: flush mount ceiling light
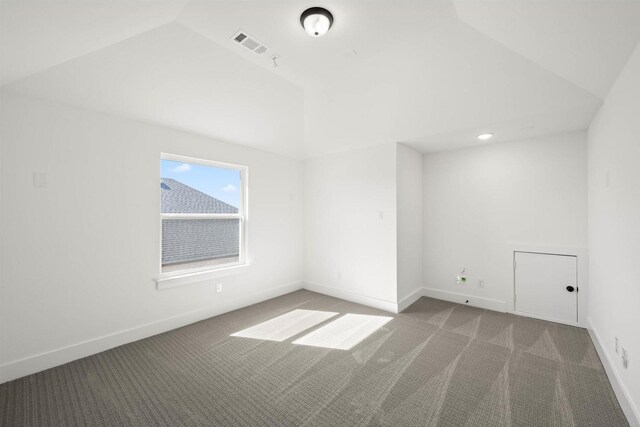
point(316, 21)
point(485, 136)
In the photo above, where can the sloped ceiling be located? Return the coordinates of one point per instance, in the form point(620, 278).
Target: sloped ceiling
point(175, 77)
point(583, 42)
point(431, 74)
point(38, 34)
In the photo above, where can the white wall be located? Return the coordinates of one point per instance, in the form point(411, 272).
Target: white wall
point(409, 217)
point(79, 257)
point(479, 201)
point(350, 225)
point(614, 227)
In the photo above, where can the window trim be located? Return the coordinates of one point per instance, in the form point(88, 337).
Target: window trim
point(190, 275)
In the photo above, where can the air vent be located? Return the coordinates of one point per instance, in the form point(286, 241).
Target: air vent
point(249, 42)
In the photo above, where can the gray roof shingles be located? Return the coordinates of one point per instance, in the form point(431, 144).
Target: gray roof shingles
point(177, 197)
point(189, 240)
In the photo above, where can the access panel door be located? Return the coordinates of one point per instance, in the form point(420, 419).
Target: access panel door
point(546, 286)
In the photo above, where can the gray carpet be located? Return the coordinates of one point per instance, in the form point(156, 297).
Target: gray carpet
point(437, 363)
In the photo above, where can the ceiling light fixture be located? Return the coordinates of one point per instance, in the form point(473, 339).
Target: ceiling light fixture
point(316, 21)
point(485, 136)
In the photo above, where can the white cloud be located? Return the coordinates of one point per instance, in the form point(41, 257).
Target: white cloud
point(229, 188)
point(182, 168)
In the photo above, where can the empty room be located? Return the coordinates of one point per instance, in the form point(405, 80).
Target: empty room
point(338, 213)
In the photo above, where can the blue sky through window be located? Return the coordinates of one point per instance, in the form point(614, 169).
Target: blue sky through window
point(223, 184)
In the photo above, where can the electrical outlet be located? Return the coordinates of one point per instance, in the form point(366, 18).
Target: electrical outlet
point(617, 346)
point(218, 287)
point(481, 283)
point(40, 180)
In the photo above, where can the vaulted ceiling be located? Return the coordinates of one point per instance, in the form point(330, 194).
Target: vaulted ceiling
point(429, 73)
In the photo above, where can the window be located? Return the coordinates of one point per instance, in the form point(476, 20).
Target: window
point(203, 214)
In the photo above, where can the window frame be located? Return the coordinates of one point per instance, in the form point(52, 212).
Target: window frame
point(242, 216)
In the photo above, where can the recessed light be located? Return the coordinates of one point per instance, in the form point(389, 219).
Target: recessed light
point(316, 21)
point(485, 136)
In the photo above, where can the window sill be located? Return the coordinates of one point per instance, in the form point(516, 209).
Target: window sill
point(165, 282)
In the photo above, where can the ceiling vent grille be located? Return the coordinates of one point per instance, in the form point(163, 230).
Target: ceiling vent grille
point(249, 42)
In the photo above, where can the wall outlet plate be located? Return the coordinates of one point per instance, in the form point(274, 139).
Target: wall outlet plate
point(40, 180)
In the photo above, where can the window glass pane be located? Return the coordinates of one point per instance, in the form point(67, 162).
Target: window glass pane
point(197, 243)
point(191, 188)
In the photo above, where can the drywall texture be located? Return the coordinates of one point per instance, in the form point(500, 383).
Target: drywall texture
point(409, 207)
point(350, 223)
point(79, 257)
point(614, 224)
point(480, 201)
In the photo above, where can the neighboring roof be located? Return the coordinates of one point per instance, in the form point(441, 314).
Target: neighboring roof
point(199, 239)
point(177, 197)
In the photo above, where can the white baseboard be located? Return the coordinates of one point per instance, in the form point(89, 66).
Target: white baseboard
point(548, 319)
point(381, 304)
point(488, 303)
point(628, 406)
point(410, 299)
point(392, 307)
point(39, 362)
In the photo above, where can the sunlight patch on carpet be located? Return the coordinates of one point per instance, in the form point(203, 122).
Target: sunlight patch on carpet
point(286, 326)
point(344, 332)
